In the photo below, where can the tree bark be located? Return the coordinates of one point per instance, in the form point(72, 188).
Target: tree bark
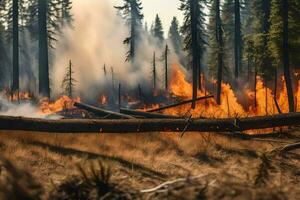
point(147, 115)
point(101, 112)
point(147, 125)
point(179, 104)
point(286, 60)
point(219, 38)
point(15, 84)
point(195, 50)
point(237, 39)
point(44, 87)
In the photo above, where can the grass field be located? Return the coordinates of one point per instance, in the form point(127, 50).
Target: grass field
point(120, 166)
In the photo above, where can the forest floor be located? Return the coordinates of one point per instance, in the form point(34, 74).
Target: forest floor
point(125, 166)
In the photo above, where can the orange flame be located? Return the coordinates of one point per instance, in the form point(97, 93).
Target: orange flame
point(230, 107)
point(63, 103)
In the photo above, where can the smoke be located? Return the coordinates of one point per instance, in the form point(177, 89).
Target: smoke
point(24, 109)
point(97, 38)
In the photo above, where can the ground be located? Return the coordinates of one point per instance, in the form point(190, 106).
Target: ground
point(121, 166)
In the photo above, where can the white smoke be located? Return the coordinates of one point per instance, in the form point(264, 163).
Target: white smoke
point(97, 38)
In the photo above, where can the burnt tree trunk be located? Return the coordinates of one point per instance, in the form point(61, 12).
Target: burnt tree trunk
point(15, 82)
point(44, 87)
point(147, 125)
point(195, 49)
point(286, 61)
point(237, 39)
point(219, 38)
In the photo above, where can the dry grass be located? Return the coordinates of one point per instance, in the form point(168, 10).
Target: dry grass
point(124, 164)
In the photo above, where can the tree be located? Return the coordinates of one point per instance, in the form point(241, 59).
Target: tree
point(174, 36)
point(193, 32)
point(216, 52)
point(3, 47)
point(237, 38)
point(132, 13)
point(286, 59)
point(166, 61)
point(158, 32)
point(228, 20)
point(154, 76)
point(68, 82)
point(66, 15)
point(15, 83)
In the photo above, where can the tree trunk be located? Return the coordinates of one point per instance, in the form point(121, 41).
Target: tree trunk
point(237, 39)
point(147, 125)
point(286, 61)
point(195, 50)
point(166, 68)
point(15, 82)
point(219, 35)
point(44, 87)
point(154, 71)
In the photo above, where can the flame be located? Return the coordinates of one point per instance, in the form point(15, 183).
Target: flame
point(63, 103)
point(230, 107)
point(103, 100)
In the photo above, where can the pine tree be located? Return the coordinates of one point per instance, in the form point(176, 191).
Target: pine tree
point(193, 33)
point(3, 47)
point(68, 82)
point(66, 15)
point(216, 51)
point(132, 13)
point(166, 62)
point(15, 34)
point(174, 36)
point(276, 32)
point(228, 27)
point(158, 32)
point(154, 75)
point(237, 38)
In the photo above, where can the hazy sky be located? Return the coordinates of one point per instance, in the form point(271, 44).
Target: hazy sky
point(166, 9)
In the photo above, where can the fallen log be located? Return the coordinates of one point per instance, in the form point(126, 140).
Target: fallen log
point(291, 147)
point(107, 114)
point(147, 125)
point(147, 115)
point(179, 104)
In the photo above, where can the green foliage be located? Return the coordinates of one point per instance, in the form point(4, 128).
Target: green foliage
point(186, 31)
point(158, 32)
point(174, 35)
point(131, 11)
point(276, 32)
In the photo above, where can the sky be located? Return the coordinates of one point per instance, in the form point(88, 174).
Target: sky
point(166, 9)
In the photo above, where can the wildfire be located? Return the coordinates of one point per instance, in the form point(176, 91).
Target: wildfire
point(230, 107)
point(103, 100)
point(62, 103)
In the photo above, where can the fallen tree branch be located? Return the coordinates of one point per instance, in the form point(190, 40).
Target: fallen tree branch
point(147, 125)
point(290, 147)
point(168, 183)
point(179, 104)
point(107, 114)
point(147, 115)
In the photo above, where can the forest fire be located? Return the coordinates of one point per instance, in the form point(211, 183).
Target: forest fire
point(63, 103)
point(230, 106)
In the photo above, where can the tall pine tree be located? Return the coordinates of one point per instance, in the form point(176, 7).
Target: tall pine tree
point(158, 32)
point(132, 11)
point(194, 42)
point(174, 36)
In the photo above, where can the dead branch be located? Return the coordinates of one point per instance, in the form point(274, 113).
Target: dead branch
point(147, 115)
point(290, 147)
point(168, 183)
point(101, 112)
point(179, 104)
